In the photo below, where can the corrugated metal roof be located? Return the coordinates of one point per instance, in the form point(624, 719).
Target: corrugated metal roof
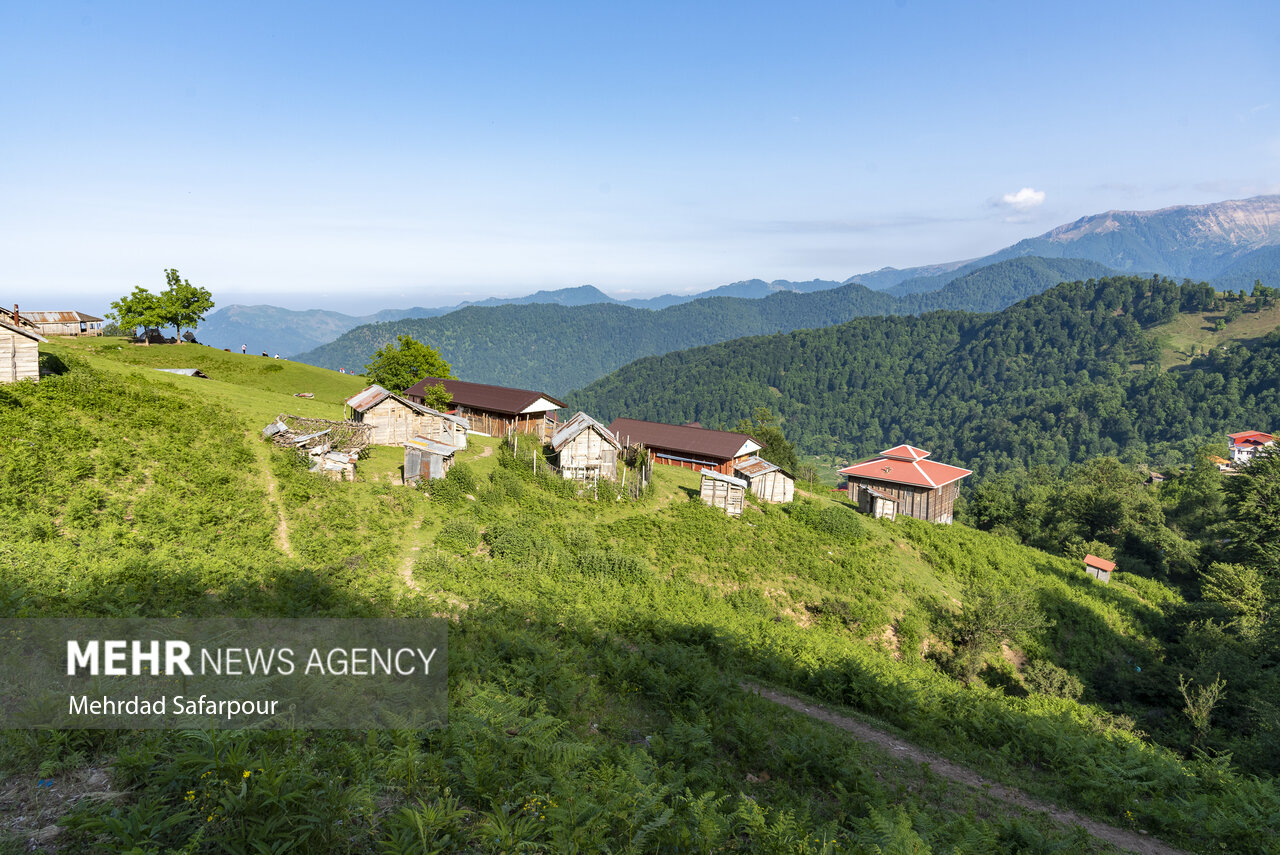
point(34, 336)
point(370, 397)
point(728, 479)
point(721, 444)
point(576, 425)
point(188, 372)
point(431, 445)
point(880, 494)
point(481, 396)
point(753, 466)
point(58, 317)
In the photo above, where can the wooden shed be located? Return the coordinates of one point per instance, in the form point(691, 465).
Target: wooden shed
point(19, 353)
point(586, 449)
point(63, 323)
point(723, 491)
point(395, 419)
point(767, 481)
point(495, 410)
point(686, 445)
point(924, 489)
point(877, 503)
point(426, 458)
point(1099, 568)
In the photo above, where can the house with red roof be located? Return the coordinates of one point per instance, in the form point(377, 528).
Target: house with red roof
point(1099, 568)
point(1245, 445)
point(920, 488)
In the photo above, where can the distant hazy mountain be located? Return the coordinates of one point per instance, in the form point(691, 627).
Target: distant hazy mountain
point(559, 348)
point(887, 277)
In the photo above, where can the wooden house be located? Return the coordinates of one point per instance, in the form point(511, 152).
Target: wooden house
point(586, 449)
point(19, 353)
point(684, 445)
point(924, 489)
point(1245, 445)
point(767, 481)
point(426, 458)
point(62, 323)
point(1099, 568)
point(395, 419)
point(495, 410)
point(723, 491)
point(877, 503)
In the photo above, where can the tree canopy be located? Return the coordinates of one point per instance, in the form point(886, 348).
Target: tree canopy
point(181, 305)
point(399, 367)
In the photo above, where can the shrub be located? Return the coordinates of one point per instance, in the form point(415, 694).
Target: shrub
point(458, 536)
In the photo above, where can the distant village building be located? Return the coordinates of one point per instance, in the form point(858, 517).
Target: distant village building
point(61, 323)
point(586, 449)
point(19, 353)
point(427, 458)
point(767, 481)
point(877, 503)
point(723, 491)
point(1099, 568)
point(395, 419)
point(495, 410)
point(683, 445)
point(924, 489)
point(1245, 445)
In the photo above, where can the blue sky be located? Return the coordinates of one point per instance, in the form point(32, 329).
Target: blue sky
point(362, 156)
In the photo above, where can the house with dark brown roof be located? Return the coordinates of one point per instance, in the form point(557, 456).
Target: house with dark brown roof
point(690, 447)
point(924, 489)
point(495, 410)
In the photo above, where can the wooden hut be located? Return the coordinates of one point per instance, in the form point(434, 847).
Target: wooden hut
point(924, 489)
point(63, 323)
point(767, 481)
point(688, 446)
point(586, 449)
point(723, 491)
point(495, 410)
point(19, 353)
point(395, 419)
point(877, 503)
point(1099, 568)
point(426, 458)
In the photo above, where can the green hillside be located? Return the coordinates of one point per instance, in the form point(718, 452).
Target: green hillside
point(574, 345)
point(1065, 376)
point(596, 650)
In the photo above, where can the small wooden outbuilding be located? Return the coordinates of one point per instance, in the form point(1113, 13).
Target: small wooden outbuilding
point(1099, 568)
point(426, 458)
point(586, 449)
point(63, 323)
point(19, 353)
point(723, 491)
point(395, 419)
point(767, 481)
point(877, 503)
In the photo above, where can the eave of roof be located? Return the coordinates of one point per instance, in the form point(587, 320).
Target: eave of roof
point(689, 441)
point(482, 396)
point(916, 473)
point(34, 336)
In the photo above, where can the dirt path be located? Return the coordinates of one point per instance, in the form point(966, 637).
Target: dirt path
point(282, 525)
point(897, 747)
point(488, 451)
point(411, 558)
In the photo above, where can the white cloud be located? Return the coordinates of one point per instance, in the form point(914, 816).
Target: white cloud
point(1024, 200)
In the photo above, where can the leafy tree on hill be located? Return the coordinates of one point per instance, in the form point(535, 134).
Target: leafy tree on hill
point(398, 368)
point(1253, 501)
point(139, 309)
point(766, 431)
point(181, 305)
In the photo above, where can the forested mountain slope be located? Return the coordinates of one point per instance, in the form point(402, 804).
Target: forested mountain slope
point(558, 348)
point(1063, 376)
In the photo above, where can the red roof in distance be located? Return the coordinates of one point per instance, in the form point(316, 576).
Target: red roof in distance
point(1250, 437)
point(1100, 563)
point(906, 464)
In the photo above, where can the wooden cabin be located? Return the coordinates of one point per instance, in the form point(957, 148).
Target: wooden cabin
point(877, 503)
point(1099, 568)
point(395, 419)
point(426, 458)
point(495, 410)
point(688, 446)
point(924, 489)
point(19, 353)
point(62, 323)
point(723, 491)
point(586, 449)
point(767, 481)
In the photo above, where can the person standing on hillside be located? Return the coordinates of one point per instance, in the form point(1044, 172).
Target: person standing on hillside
point(244, 349)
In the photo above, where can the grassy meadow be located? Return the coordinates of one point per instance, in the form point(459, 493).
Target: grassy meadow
point(598, 648)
